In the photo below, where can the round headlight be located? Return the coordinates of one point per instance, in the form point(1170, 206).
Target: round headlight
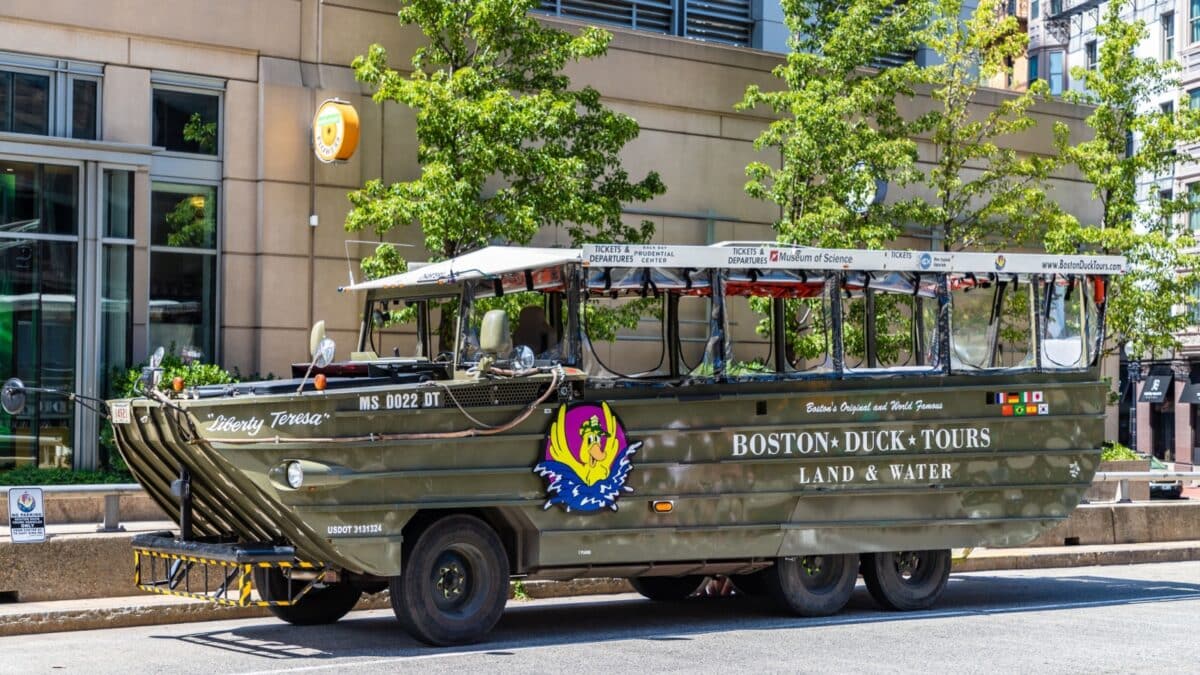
point(523, 358)
point(295, 475)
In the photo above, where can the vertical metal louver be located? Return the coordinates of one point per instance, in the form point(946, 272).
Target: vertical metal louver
point(648, 15)
point(727, 21)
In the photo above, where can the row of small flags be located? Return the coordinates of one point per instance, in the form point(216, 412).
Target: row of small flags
point(1019, 404)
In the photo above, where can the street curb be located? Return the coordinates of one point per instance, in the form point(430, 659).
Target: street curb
point(151, 610)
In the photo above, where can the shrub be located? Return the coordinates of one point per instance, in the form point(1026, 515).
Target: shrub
point(1115, 452)
point(32, 475)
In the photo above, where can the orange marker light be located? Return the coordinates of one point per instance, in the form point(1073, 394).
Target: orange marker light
point(177, 384)
point(663, 506)
point(319, 382)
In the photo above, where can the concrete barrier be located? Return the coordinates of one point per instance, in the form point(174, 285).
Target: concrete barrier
point(67, 507)
point(1155, 521)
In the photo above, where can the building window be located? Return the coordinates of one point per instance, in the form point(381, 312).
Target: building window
point(1168, 36)
point(187, 121)
point(1194, 98)
point(1057, 77)
point(1164, 200)
point(1194, 206)
point(1033, 68)
point(183, 268)
point(1055, 7)
point(1194, 19)
point(1129, 144)
point(1034, 8)
point(1090, 52)
point(726, 22)
point(49, 97)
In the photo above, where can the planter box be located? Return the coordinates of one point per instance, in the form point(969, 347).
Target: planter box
point(1107, 492)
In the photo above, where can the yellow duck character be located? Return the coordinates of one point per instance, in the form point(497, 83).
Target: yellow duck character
point(599, 446)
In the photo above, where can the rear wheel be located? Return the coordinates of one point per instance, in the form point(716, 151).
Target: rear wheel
point(667, 589)
point(906, 580)
point(812, 585)
point(454, 582)
point(318, 606)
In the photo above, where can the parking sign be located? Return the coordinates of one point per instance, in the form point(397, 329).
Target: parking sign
point(26, 515)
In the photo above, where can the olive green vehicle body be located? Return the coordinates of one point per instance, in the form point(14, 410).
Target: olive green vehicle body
point(752, 470)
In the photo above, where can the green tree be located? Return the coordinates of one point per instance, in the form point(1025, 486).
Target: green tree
point(493, 108)
point(982, 194)
point(838, 128)
point(1146, 228)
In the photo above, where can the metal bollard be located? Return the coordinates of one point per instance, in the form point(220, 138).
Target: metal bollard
point(112, 514)
point(1123, 492)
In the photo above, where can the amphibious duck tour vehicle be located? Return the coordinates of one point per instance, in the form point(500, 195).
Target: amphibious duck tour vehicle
point(812, 415)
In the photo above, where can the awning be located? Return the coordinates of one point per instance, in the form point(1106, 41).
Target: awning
point(485, 263)
point(1156, 389)
point(1191, 394)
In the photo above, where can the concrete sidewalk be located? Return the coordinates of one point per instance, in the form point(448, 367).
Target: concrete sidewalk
point(146, 609)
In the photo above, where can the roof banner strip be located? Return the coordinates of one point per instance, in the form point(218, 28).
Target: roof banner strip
point(766, 256)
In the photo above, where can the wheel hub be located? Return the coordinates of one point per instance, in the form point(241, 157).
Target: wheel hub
point(907, 563)
point(451, 580)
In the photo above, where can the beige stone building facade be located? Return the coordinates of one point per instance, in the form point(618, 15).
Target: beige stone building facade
point(161, 187)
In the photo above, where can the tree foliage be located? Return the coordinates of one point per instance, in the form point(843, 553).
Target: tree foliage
point(982, 194)
point(838, 128)
point(506, 146)
point(1144, 304)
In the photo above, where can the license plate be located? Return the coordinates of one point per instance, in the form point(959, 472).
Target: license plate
point(121, 412)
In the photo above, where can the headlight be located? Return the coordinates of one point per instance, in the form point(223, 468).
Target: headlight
point(523, 358)
point(295, 475)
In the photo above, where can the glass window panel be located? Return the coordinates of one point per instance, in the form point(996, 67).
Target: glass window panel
point(1056, 73)
point(1066, 321)
point(990, 323)
point(83, 109)
point(116, 316)
point(183, 303)
point(1034, 9)
point(118, 204)
point(60, 197)
point(37, 344)
point(5, 100)
point(1033, 68)
point(30, 103)
point(39, 198)
point(1194, 17)
point(183, 216)
point(186, 122)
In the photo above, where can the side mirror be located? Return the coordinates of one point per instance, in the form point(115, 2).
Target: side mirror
point(315, 337)
point(12, 396)
point(324, 352)
point(152, 373)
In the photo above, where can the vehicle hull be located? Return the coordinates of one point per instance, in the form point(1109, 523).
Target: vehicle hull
point(750, 470)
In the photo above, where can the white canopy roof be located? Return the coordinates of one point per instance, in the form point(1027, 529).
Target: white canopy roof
point(485, 263)
point(769, 255)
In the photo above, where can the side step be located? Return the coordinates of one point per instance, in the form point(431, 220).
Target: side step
point(219, 571)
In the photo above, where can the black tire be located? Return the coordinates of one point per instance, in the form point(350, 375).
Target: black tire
point(318, 606)
point(754, 584)
point(812, 585)
point(906, 580)
point(667, 589)
point(454, 583)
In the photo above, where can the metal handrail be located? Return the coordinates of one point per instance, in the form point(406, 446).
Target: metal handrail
point(1122, 479)
point(112, 498)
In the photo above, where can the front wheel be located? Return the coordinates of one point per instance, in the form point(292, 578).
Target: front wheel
point(906, 580)
point(812, 585)
point(667, 589)
point(318, 606)
point(454, 582)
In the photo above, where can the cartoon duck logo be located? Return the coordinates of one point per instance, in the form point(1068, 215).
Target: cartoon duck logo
point(586, 459)
point(1001, 261)
point(26, 503)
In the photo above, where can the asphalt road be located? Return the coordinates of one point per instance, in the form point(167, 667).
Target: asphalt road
point(1138, 618)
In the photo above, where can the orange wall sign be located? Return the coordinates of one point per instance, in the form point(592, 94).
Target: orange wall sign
point(335, 131)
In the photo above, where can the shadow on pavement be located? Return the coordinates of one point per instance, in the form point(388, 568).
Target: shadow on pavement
point(624, 618)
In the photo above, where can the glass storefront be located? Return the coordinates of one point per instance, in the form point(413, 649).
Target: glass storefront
point(183, 269)
point(39, 221)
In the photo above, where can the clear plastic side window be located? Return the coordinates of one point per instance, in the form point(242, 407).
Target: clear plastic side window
point(1068, 322)
point(889, 321)
point(991, 322)
point(750, 306)
point(624, 336)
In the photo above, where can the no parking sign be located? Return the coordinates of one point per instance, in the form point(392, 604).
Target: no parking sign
point(26, 515)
